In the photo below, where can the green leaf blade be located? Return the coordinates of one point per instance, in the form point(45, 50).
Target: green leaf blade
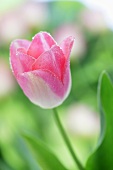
point(102, 158)
point(46, 159)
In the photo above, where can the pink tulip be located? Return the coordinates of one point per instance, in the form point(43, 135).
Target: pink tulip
point(42, 68)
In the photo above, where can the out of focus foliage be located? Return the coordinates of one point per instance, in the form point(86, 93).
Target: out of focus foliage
point(92, 53)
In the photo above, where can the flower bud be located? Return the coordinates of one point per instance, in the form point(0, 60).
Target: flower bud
point(42, 68)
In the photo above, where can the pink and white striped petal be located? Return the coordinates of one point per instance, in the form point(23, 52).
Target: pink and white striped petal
point(20, 43)
point(66, 46)
point(41, 42)
point(14, 59)
point(43, 88)
point(26, 61)
point(52, 60)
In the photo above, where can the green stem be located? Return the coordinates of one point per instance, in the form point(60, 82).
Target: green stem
point(66, 139)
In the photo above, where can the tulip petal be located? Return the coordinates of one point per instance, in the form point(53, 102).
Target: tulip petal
point(26, 61)
point(43, 88)
point(52, 60)
point(14, 59)
point(37, 90)
point(66, 46)
point(57, 86)
point(41, 42)
point(20, 44)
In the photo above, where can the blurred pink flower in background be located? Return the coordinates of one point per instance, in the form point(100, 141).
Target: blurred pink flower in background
point(34, 14)
point(19, 22)
point(11, 26)
point(82, 120)
point(42, 68)
point(7, 83)
point(93, 20)
point(67, 29)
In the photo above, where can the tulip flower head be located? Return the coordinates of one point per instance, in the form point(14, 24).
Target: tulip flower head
point(42, 68)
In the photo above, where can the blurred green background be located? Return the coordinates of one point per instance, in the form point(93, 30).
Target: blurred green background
point(92, 53)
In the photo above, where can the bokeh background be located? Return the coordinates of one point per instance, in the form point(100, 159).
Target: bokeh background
point(91, 23)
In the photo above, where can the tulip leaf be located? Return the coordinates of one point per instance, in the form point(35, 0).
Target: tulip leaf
point(25, 154)
point(45, 158)
point(102, 158)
